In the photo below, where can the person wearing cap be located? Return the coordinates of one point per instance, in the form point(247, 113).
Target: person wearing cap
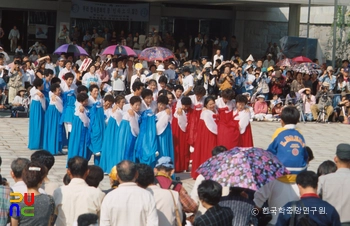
point(308, 101)
point(249, 61)
point(269, 61)
point(329, 77)
point(60, 66)
point(260, 108)
point(263, 80)
point(164, 169)
point(15, 80)
point(334, 187)
point(324, 102)
point(250, 78)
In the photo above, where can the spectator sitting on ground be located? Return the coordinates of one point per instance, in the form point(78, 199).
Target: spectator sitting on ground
point(48, 160)
point(43, 205)
point(167, 202)
point(17, 167)
point(308, 101)
point(95, 176)
point(260, 108)
point(325, 213)
point(209, 193)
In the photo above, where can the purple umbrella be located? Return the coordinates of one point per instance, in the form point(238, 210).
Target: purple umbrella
point(119, 50)
point(243, 167)
point(68, 48)
point(156, 53)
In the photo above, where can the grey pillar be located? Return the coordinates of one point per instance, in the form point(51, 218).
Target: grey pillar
point(155, 15)
point(294, 20)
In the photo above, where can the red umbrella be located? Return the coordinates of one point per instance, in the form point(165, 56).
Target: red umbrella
point(302, 59)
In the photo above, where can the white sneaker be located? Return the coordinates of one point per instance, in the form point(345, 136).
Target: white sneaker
point(98, 154)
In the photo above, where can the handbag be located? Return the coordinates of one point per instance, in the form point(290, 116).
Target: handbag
point(177, 214)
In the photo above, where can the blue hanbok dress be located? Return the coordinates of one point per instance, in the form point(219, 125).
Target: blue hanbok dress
point(146, 143)
point(164, 135)
point(69, 98)
point(36, 120)
point(110, 155)
point(46, 91)
point(96, 128)
point(79, 136)
point(54, 133)
point(128, 132)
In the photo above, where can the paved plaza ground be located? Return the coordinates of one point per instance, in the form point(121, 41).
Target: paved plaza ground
point(322, 138)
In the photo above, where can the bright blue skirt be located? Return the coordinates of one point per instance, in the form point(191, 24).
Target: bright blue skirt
point(97, 128)
point(68, 107)
point(36, 125)
point(54, 133)
point(79, 137)
point(146, 142)
point(165, 143)
point(110, 155)
point(126, 141)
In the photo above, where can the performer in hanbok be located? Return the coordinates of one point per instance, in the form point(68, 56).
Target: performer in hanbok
point(54, 133)
point(193, 118)
point(91, 77)
point(242, 115)
point(207, 135)
point(37, 115)
point(48, 74)
point(77, 145)
point(97, 123)
point(179, 89)
point(164, 132)
point(68, 98)
point(108, 102)
point(178, 125)
point(146, 144)
point(67, 69)
point(129, 130)
point(228, 129)
point(110, 155)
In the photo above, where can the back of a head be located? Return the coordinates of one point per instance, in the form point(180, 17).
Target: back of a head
point(210, 192)
point(77, 166)
point(146, 175)
point(326, 167)
point(126, 171)
point(44, 157)
point(88, 219)
point(33, 174)
point(95, 176)
point(290, 115)
point(217, 150)
point(307, 179)
point(186, 101)
point(18, 165)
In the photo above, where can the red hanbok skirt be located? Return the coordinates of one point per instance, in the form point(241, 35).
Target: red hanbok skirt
point(228, 130)
point(192, 127)
point(181, 147)
point(246, 139)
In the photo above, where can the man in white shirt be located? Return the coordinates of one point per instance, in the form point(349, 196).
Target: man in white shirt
point(269, 61)
point(17, 167)
point(218, 56)
point(167, 201)
point(13, 37)
point(77, 197)
point(187, 81)
point(128, 204)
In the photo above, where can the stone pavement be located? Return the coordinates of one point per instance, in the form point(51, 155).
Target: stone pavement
point(322, 138)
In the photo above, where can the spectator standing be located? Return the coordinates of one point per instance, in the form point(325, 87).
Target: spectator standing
point(43, 205)
point(128, 204)
point(6, 57)
point(224, 45)
point(330, 186)
point(15, 80)
point(218, 56)
point(48, 160)
point(325, 214)
point(234, 45)
point(77, 197)
point(13, 37)
point(209, 193)
point(167, 201)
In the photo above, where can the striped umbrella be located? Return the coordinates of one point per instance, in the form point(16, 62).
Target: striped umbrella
point(156, 53)
point(119, 50)
point(69, 48)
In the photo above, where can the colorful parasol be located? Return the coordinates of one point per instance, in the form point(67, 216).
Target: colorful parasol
point(119, 50)
point(243, 167)
point(307, 68)
point(301, 59)
point(69, 48)
point(156, 53)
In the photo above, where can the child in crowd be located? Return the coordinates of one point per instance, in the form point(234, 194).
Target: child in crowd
point(129, 130)
point(37, 115)
point(19, 50)
point(53, 131)
point(288, 143)
point(109, 154)
point(79, 136)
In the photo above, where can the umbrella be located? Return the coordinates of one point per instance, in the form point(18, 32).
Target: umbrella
point(301, 59)
point(68, 48)
point(119, 50)
point(307, 68)
point(243, 167)
point(156, 53)
point(286, 63)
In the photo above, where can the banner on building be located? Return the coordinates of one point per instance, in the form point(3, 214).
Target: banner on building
point(108, 11)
